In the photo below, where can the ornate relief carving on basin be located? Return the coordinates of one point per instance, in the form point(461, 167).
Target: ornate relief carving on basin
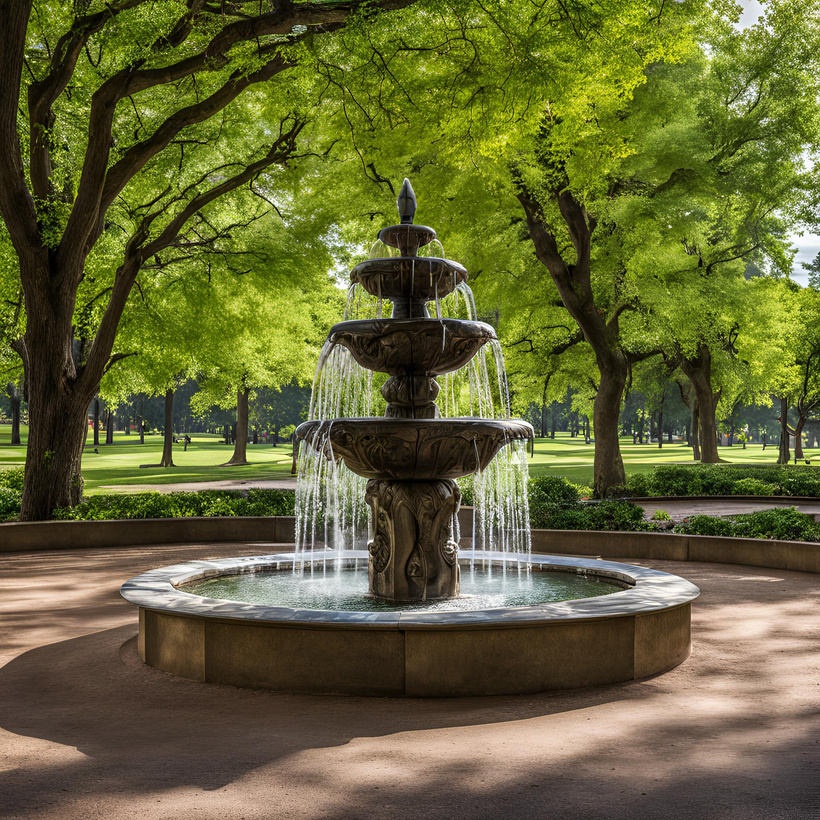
point(419, 347)
point(413, 449)
point(413, 556)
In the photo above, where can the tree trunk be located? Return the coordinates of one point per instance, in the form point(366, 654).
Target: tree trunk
point(660, 428)
point(240, 450)
point(109, 428)
point(168, 443)
point(698, 370)
point(608, 466)
point(15, 400)
point(784, 454)
point(543, 421)
point(798, 437)
point(57, 432)
point(96, 421)
point(58, 402)
point(695, 431)
point(553, 420)
point(127, 425)
point(573, 280)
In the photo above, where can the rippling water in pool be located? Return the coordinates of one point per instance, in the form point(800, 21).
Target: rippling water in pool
point(346, 589)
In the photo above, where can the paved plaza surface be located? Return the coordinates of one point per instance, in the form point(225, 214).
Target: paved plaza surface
point(88, 731)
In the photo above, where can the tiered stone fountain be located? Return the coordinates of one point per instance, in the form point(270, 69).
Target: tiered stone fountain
point(412, 456)
point(298, 621)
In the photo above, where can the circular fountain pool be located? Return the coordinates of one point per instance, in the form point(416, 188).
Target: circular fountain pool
point(319, 586)
point(639, 627)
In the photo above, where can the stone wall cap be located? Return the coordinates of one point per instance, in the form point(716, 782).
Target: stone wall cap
point(649, 591)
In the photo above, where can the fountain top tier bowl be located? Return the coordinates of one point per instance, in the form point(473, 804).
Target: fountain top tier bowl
point(413, 347)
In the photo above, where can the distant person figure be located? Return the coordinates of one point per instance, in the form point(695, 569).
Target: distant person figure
point(187, 442)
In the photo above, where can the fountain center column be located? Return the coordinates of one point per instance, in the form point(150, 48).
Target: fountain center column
point(413, 554)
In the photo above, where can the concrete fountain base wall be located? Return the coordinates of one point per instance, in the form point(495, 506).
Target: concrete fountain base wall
point(416, 663)
point(640, 631)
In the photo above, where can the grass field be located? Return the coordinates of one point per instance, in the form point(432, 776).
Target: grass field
point(571, 458)
point(119, 463)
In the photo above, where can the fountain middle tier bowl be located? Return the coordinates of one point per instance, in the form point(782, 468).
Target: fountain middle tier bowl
point(418, 347)
point(409, 276)
point(413, 449)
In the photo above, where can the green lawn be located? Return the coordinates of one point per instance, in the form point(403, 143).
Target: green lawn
point(571, 458)
point(120, 462)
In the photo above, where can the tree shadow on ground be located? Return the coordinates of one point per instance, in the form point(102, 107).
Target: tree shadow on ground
point(732, 734)
point(145, 732)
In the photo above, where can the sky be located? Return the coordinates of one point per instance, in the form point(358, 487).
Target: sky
point(808, 246)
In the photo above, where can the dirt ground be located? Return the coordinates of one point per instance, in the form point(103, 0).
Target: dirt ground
point(88, 731)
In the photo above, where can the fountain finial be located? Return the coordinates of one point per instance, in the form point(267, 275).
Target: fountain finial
point(406, 203)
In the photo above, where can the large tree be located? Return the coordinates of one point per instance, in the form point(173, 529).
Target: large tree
point(119, 127)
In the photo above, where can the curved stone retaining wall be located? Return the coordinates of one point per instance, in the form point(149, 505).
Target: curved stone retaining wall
point(755, 552)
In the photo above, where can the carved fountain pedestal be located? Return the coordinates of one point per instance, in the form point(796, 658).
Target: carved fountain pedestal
point(413, 554)
point(412, 456)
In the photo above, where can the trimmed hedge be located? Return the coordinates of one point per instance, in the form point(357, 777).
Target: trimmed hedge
point(598, 515)
point(724, 479)
point(207, 503)
point(555, 503)
point(781, 523)
point(11, 493)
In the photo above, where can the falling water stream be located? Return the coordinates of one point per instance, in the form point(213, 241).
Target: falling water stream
point(331, 513)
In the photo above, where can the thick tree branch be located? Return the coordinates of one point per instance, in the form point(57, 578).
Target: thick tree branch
point(137, 252)
point(44, 93)
point(99, 184)
point(16, 204)
point(546, 248)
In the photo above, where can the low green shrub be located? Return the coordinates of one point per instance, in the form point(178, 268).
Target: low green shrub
point(725, 479)
point(602, 515)
point(465, 484)
point(782, 523)
point(10, 502)
point(754, 486)
point(638, 485)
point(207, 503)
point(11, 493)
point(12, 479)
point(705, 525)
point(799, 482)
point(661, 515)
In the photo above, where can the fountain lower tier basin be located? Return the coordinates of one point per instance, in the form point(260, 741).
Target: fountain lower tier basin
point(413, 449)
point(403, 277)
point(412, 347)
point(641, 630)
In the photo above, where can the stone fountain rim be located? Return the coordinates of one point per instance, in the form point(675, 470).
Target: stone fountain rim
point(650, 591)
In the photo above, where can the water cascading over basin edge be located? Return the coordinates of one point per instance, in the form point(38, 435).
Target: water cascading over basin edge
point(412, 456)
